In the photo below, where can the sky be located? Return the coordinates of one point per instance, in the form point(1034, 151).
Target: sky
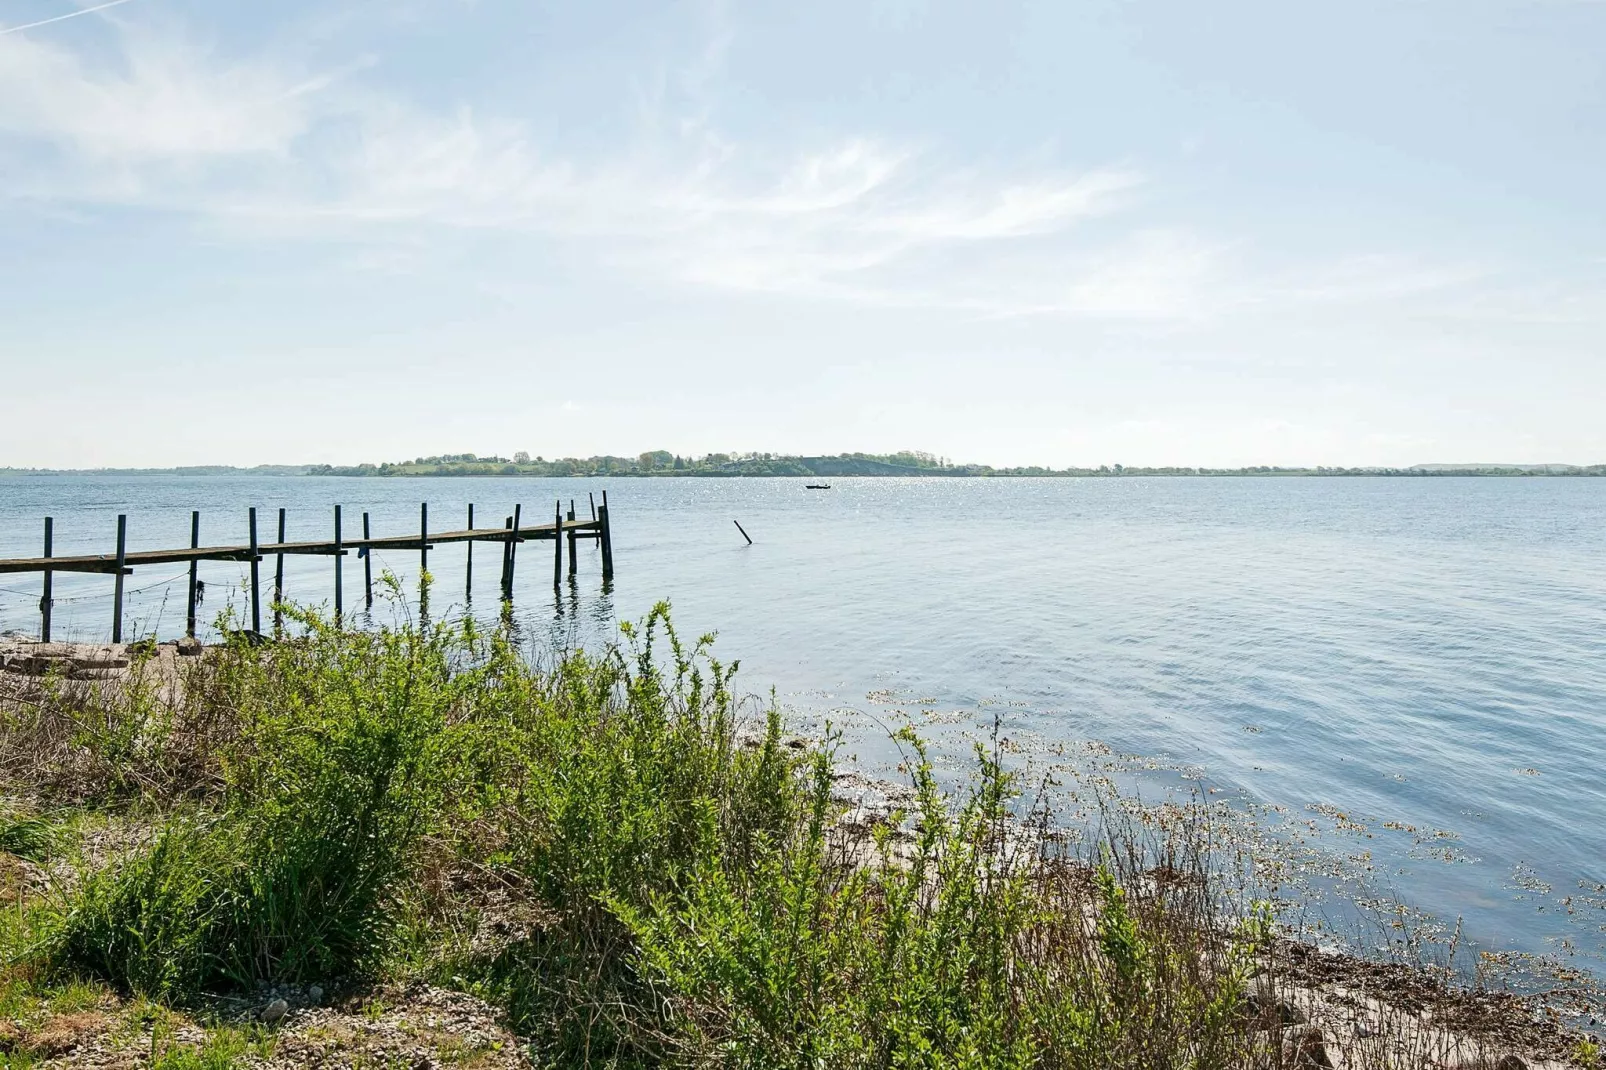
point(1006, 232)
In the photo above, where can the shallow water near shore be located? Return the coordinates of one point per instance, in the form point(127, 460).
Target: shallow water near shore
point(1409, 673)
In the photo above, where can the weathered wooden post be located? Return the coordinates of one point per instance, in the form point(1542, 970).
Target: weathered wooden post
point(557, 545)
point(574, 544)
point(507, 547)
point(423, 563)
point(45, 599)
point(513, 548)
point(367, 567)
point(256, 591)
point(339, 594)
point(278, 581)
point(423, 540)
point(468, 570)
point(606, 539)
point(195, 565)
point(593, 498)
point(117, 588)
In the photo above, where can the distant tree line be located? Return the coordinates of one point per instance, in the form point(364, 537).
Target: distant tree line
point(658, 463)
point(662, 463)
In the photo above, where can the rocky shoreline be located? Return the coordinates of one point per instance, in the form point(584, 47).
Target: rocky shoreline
point(1334, 1008)
point(105, 662)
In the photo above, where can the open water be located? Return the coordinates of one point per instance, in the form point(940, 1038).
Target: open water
point(1407, 675)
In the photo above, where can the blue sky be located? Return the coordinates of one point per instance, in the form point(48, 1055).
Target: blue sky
point(1064, 233)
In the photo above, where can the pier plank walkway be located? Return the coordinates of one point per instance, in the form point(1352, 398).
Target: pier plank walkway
point(107, 563)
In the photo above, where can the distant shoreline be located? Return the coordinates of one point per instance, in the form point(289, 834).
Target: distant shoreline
point(795, 467)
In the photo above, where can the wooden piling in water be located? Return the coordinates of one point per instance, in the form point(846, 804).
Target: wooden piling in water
point(117, 587)
point(339, 553)
point(513, 547)
point(423, 540)
point(507, 550)
point(367, 567)
point(423, 563)
point(46, 601)
point(468, 568)
point(557, 546)
point(278, 581)
point(256, 591)
point(574, 544)
point(605, 537)
point(195, 564)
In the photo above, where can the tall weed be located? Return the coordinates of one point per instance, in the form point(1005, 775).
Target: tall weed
point(328, 790)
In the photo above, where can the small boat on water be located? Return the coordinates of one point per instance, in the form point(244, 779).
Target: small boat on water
point(816, 486)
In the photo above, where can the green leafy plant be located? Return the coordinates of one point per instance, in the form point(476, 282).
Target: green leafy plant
point(295, 875)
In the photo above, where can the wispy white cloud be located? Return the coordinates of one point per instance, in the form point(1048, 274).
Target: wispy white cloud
point(254, 143)
point(262, 145)
point(168, 100)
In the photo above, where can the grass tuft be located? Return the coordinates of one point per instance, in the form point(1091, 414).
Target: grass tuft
point(31, 838)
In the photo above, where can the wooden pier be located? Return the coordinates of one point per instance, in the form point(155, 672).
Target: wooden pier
point(565, 529)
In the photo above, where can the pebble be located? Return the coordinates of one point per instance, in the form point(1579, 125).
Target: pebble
point(275, 1011)
point(315, 995)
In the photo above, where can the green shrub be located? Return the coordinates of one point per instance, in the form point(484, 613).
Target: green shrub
point(618, 778)
point(631, 779)
point(662, 885)
point(328, 793)
point(970, 950)
point(802, 961)
point(150, 924)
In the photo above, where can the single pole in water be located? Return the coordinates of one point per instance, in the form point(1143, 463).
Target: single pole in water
point(468, 571)
point(256, 591)
point(367, 567)
point(513, 548)
point(339, 594)
point(743, 530)
point(423, 562)
point(507, 547)
point(574, 544)
point(593, 498)
point(278, 581)
point(423, 540)
point(117, 589)
point(557, 545)
point(607, 538)
point(45, 599)
point(195, 565)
